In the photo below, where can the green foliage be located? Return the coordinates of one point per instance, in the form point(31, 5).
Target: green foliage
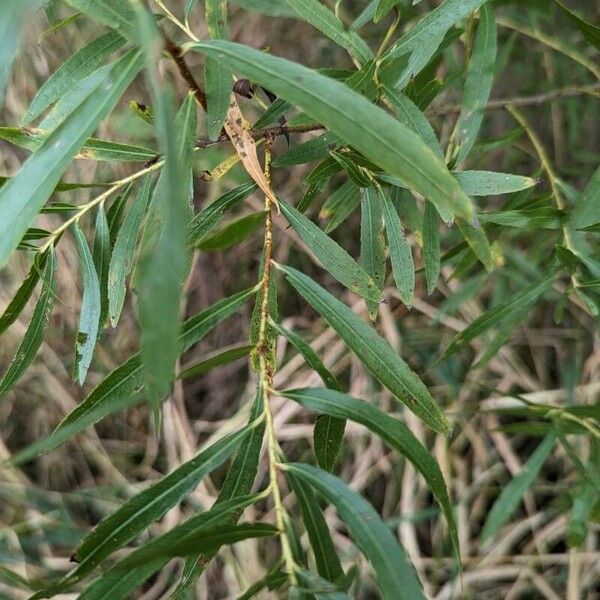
point(390, 172)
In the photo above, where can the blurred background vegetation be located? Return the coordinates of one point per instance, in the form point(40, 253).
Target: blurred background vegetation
point(544, 551)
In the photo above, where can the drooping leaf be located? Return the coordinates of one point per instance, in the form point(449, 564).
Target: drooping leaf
point(218, 77)
point(394, 432)
point(163, 262)
point(332, 257)
point(76, 68)
point(320, 17)
point(395, 575)
point(101, 255)
point(372, 242)
point(369, 129)
point(400, 253)
point(124, 387)
point(89, 320)
point(374, 352)
point(512, 493)
point(480, 76)
point(431, 246)
point(590, 32)
point(326, 558)
point(25, 194)
point(121, 260)
point(34, 335)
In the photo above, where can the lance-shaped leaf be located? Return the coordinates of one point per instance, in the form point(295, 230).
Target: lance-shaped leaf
point(23, 196)
point(210, 215)
point(326, 558)
point(403, 266)
point(320, 17)
point(218, 77)
point(587, 207)
point(368, 128)
point(480, 76)
point(139, 512)
point(395, 575)
point(34, 335)
point(374, 352)
point(512, 493)
point(17, 304)
point(431, 246)
point(125, 576)
point(319, 587)
point(116, 14)
point(124, 387)
point(394, 432)
point(233, 233)
point(76, 68)
point(422, 40)
point(101, 256)
point(590, 32)
point(163, 263)
point(89, 320)
point(490, 183)
point(495, 316)
point(216, 359)
point(122, 256)
point(332, 256)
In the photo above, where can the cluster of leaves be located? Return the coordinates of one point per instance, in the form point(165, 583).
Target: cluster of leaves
point(372, 131)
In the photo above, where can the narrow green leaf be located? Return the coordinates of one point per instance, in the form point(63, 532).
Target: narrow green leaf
point(163, 263)
point(143, 509)
point(579, 516)
point(25, 194)
point(17, 304)
point(394, 432)
point(490, 183)
point(314, 149)
point(363, 125)
point(210, 215)
point(326, 558)
point(310, 356)
point(383, 8)
point(34, 335)
point(319, 587)
point(374, 352)
point(400, 253)
point(590, 32)
point(372, 242)
point(217, 359)
point(496, 315)
point(118, 583)
point(422, 40)
point(410, 115)
point(124, 387)
point(512, 493)
point(340, 205)
point(587, 206)
point(238, 482)
point(81, 64)
point(477, 240)
point(431, 246)
point(233, 233)
point(270, 8)
point(121, 260)
point(89, 320)
point(320, 17)
point(328, 436)
point(14, 13)
point(101, 256)
point(478, 85)
point(395, 575)
point(218, 77)
point(544, 217)
point(332, 257)
point(116, 14)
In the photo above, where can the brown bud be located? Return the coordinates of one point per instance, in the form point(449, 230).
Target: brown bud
point(244, 88)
